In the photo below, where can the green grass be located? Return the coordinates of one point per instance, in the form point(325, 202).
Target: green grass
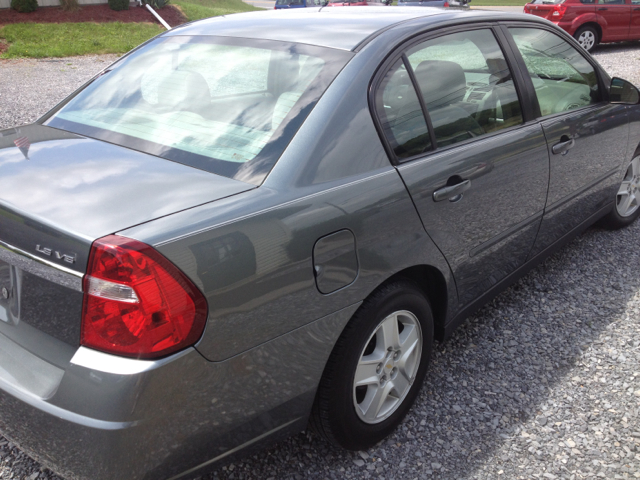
point(197, 9)
point(38, 40)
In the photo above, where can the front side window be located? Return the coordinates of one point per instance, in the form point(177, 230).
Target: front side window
point(466, 85)
point(563, 79)
point(227, 106)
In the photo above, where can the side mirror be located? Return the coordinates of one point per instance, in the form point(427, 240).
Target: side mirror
point(623, 92)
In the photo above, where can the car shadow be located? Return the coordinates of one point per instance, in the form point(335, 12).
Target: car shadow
point(489, 379)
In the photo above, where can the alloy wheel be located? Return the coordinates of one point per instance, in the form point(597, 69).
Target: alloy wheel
point(628, 197)
point(587, 40)
point(387, 367)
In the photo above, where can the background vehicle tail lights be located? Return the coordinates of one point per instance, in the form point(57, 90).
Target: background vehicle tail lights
point(137, 303)
point(558, 12)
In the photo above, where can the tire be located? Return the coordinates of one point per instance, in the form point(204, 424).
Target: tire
point(346, 414)
point(587, 37)
point(627, 206)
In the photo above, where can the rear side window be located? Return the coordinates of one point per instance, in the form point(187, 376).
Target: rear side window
point(455, 88)
point(466, 85)
point(563, 79)
point(401, 115)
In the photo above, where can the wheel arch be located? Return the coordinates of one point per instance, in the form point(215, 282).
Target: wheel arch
point(593, 24)
point(433, 285)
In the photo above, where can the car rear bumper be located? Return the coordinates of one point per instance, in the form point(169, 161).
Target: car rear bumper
point(110, 417)
point(144, 421)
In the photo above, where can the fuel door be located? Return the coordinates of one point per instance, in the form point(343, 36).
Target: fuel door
point(335, 262)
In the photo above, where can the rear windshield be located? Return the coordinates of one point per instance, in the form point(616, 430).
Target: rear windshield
point(227, 106)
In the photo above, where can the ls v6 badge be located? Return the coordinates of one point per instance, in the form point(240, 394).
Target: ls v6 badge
point(58, 255)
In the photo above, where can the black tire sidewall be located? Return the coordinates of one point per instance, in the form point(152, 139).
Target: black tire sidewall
point(347, 428)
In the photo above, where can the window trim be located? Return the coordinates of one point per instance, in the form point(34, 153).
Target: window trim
point(604, 90)
point(400, 51)
point(423, 106)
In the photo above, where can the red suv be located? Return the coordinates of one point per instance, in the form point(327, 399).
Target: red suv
point(592, 21)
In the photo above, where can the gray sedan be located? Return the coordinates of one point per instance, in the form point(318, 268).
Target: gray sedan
point(258, 222)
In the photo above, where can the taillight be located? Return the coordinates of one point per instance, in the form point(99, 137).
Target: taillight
point(137, 303)
point(558, 12)
point(446, 4)
point(526, 8)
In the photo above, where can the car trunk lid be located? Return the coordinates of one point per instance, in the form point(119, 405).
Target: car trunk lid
point(58, 193)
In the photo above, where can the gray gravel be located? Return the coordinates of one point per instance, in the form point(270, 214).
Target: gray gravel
point(29, 88)
point(544, 382)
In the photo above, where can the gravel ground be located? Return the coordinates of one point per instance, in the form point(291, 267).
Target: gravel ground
point(30, 88)
point(544, 382)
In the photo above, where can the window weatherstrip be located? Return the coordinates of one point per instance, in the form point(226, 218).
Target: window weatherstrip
point(425, 113)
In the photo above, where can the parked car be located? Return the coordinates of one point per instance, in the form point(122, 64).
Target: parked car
point(286, 4)
point(255, 222)
point(358, 3)
point(592, 21)
point(434, 3)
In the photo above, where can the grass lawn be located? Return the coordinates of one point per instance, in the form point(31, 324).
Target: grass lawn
point(197, 9)
point(38, 40)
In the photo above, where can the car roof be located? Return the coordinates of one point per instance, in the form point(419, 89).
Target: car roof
point(335, 27)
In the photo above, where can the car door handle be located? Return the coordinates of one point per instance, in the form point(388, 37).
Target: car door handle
point(601, 9)
point(451, 192)
point(566, 144)
point(637, 8)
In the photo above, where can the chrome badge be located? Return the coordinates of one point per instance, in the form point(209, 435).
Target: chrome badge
point(60, 256)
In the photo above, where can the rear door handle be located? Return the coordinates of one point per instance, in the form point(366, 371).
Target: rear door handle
point(603, 9)
point(566, 144)
point(637, 8)
point(451, 192)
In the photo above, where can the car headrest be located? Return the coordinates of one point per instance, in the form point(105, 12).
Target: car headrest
point(441, 82)
point(184, 90)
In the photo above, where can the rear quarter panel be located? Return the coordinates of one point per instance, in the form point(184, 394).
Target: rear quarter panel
point(578, 15)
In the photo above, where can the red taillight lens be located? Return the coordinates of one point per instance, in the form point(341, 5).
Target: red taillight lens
point(526, 8)
point(446, 4)
point(558, 12)
point(137, 303)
